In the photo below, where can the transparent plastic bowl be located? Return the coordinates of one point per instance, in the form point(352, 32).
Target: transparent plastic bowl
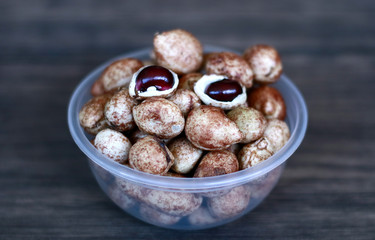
point(187, 203)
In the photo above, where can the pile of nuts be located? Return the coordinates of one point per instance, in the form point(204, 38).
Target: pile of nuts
point(188, 114)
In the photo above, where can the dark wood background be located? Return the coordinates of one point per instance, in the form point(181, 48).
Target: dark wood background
point(46, 47)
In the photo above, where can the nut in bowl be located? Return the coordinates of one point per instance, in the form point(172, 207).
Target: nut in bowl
point(170, 193)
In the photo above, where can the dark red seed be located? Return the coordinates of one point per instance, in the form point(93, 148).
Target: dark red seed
point(154, 76)
point(225, 90)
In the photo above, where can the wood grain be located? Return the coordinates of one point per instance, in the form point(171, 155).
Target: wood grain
point(47, 192)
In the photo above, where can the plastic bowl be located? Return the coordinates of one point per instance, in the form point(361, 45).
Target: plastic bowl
point(187, 203)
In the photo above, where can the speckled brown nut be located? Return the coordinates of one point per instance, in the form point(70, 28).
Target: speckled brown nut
point(118, 111)
point(201, 216)
point(173, 203)
point(186, 100)
point(150, 155)
point(188, 81)
point(265, 63)
point(133, 190)
point(91, 116)
point(208, 128)
point(117, 74)
point(113, 144)
point(119, 197)
point(157, 217)
point(231, 65)
point(178, 50)
point(254, 153)
point(159, 117)
point(217, 163)
point(250, 121)
point(230, 204)
point(277, 132)
point(185, 154)
point(269, 101)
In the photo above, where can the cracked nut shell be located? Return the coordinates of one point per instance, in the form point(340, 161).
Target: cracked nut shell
point(231, 65)
point(269, 101)
point(217, 163)
point(178, 50)
point(204, 83)
point(153, 77)
point(118, 111)
point(159, 117)
point(250, 121)
point(117, 74)
point(150, 155)
point(254, 153)
point(113, 144)
point(208, 128)
point(265, 62)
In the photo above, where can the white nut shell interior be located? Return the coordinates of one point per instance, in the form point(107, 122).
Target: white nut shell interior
point(151, 91)
point(202, 84)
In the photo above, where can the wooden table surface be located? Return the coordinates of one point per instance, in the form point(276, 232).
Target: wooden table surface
point(46, 47)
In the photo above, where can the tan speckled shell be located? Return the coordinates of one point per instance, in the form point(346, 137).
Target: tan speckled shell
point(178, 50)
point(159, 117)
point(113, 144)
point(231, 65)
point(208, 128)
point(277, 132)
point(173, 203)
point(269, 101)
point(91, 116)
point(230, 204)
point(250, 121)
point(265, 63)
point(118, 111)
point(150, 155)
point(185, 154)
point(117, 74)
point(186, 100)
point(135, 191)
point(217, 163)
point(254, 153)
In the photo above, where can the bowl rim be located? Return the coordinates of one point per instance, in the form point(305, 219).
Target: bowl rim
point(184, 184)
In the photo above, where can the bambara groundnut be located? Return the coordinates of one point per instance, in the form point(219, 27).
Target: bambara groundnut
point(178, 50)
point(277, 132)
point(208, 128)
point(113, 144)
point(250, 121)
point(149, 154)
point(160, 117)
